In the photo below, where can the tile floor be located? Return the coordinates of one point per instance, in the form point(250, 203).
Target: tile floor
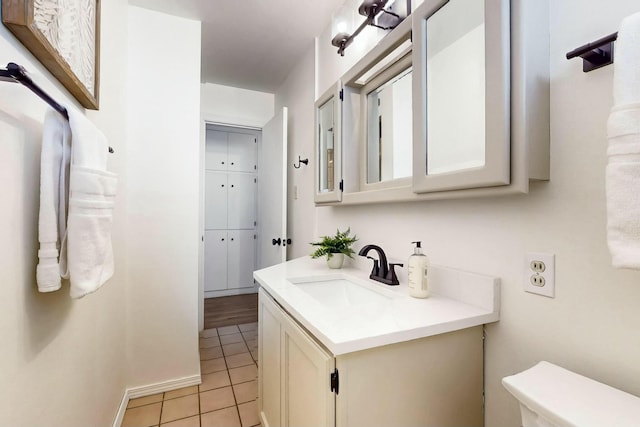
point(227, 396)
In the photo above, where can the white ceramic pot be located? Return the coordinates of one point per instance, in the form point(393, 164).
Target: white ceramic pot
point(335, 261)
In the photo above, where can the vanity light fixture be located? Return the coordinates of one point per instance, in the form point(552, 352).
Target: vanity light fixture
point(378, 15)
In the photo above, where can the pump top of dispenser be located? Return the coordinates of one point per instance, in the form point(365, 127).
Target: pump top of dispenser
point(418, 248)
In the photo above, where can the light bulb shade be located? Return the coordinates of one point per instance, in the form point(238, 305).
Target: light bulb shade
point(343, 20)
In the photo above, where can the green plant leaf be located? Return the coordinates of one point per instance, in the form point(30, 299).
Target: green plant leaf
point(339, 244)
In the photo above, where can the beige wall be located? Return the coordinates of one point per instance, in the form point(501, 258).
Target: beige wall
point(163, 235)
point(63, 361)
point(591, 326)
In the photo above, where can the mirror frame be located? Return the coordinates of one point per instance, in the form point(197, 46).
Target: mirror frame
point(496, 170)
point(354, 110)
point(397, 67)
point(336, 194)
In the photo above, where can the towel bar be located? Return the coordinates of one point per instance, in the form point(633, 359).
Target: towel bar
point(17, 74)
point(595, 54)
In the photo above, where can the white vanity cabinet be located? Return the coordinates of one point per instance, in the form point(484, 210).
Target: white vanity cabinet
point(294, 372)
point(430, 381)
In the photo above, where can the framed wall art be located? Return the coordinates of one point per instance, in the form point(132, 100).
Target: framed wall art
point(64, 35)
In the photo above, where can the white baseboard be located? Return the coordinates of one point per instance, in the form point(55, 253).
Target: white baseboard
point(147, 390)
point(230, 292)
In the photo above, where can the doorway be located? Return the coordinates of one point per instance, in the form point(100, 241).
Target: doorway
point(230, 211)
point(252, 223)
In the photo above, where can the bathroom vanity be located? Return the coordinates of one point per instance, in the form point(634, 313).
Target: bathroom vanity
point(337, 349)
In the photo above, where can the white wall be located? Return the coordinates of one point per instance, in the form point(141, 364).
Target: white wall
point(163, 235)
point(235, 106)
point(591, 326)
point(63, 361)
point(298, 95)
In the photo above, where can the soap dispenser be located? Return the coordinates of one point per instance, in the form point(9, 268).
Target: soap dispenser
point(418, 266)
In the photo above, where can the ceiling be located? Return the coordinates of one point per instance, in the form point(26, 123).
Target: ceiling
point(251, 44)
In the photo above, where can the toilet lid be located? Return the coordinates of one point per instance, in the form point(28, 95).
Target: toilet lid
point(568, 399)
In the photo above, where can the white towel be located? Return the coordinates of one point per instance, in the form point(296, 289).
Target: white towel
point(54, 177)
point(91, 200)
point(623, 168)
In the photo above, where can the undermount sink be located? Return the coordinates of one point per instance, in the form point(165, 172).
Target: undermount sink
point(338, 291)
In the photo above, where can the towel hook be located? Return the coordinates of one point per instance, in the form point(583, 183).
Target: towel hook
point(305, 161)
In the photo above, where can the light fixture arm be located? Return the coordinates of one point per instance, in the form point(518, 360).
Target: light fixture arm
point(370, 9)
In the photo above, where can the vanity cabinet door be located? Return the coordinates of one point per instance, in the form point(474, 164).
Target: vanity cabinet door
point(269, 319)
point(294, 372)
point(307, 399)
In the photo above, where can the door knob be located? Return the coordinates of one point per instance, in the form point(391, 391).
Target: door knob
point(277, 241)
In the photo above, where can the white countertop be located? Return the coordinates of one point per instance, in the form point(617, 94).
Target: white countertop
point(458, 300)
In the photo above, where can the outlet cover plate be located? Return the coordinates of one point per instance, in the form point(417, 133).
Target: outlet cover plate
point(539, 274)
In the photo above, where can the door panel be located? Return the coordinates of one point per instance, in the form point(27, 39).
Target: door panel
point(269, 357)
point(273, 190)
point(241, 201)
point(243, 152)
point(215, 260)
point(215, 200)
point(216, 150)
point(306, 386)
point(241, 254)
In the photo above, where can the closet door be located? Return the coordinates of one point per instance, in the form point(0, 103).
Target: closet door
point(241, 201)
point(216, 150)
point(243, 152)
point(215, 255)
point(241, 252)
point(215, 200)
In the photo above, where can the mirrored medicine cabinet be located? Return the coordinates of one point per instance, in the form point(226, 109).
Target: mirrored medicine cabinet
point(454, 102)
point(328, 146)
point(462, 132)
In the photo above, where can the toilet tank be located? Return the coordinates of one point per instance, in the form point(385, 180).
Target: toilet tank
point(551, 396)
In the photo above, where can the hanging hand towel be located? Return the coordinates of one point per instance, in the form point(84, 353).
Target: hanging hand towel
point(92, 193)
point(623, 168)
point(54, 176)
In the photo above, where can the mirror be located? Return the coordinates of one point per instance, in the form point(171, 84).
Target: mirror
point(326, 147)
point(376, 110)
point(389, 129)
point(462, 101)
point(328, 172)
point(455, 87)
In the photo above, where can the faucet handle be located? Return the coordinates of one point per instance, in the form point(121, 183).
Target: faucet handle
point(391, 275)
point(376, 266)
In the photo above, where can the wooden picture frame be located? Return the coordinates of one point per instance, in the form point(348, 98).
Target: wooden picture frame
point(80, 71)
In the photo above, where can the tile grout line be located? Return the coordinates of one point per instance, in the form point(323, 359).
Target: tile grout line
point(161, 407)
point(233, 391)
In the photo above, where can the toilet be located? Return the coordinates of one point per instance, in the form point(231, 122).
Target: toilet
point(551, 396)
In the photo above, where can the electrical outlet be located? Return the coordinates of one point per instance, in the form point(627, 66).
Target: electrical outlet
point(539, 274)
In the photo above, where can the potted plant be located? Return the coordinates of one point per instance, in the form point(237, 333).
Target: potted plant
point(335, 248)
